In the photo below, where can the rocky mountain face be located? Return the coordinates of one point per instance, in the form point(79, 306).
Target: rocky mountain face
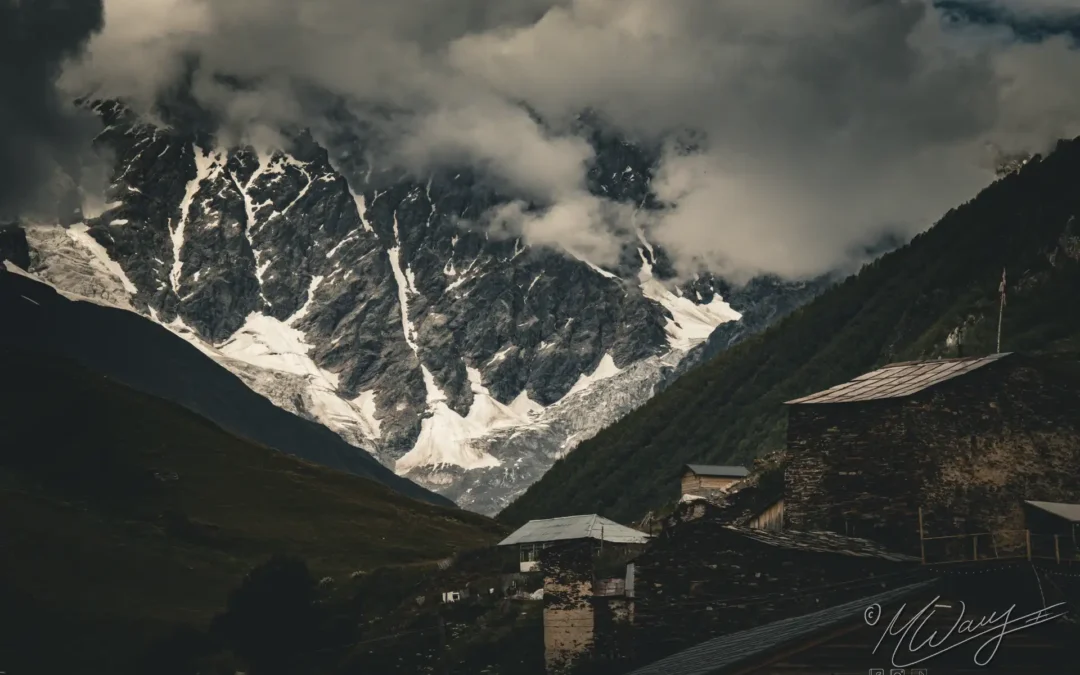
point(354, 296)
point(920, 301)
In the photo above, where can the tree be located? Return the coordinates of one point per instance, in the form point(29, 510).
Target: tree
point(272, 620)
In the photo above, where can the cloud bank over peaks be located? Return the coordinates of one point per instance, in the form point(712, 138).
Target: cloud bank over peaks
point(44, 139)
point(824, 124)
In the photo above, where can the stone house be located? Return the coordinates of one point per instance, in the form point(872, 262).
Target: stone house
point(537, 535)
point(704, 577)
point(841, 638)
point(585, 605)
point(965, 441)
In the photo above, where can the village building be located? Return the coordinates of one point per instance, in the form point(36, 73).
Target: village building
point(595, 531)
point(704, 577)
point(700, 479)
point(852, 637)
point(934, 448)
point(764, 645)
point(588, 603)
point(1053, 518)
point(769, 518)
point(1052, 531)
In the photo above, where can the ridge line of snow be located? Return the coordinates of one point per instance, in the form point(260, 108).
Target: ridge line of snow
point(690, 323)
point(80, 233)
point(403, 289)
point(249, 210)
point(202, 165)
point(605, 369)
point(302, 312)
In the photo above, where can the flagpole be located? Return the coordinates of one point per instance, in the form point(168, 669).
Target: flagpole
point(1001, 309)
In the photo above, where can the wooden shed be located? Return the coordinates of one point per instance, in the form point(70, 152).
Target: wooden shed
point(965, 441)
point(701, 478)
point(1053, 518)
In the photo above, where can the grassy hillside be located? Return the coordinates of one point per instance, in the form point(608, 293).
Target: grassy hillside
point(150, 358)
point(122, 515)
point(902, 306)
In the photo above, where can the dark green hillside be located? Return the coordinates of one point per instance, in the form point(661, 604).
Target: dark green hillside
point(902, 306)
point(123, 515)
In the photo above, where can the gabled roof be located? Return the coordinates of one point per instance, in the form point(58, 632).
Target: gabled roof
point(574, 527)
point(718, 471)
point(719, 654)
point(899, 379)
point(1070, 512)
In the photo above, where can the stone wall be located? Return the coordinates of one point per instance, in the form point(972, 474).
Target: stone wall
point(967, 451)
point(701, 579)
point(568, 609)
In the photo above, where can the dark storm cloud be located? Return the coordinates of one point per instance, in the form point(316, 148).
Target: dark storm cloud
point(826, 123)
point(39, 130)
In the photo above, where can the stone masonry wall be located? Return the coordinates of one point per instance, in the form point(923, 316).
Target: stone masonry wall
point(701, 580)
point(967, 451)
point(569, 617)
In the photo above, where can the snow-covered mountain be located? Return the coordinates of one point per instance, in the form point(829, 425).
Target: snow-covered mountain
point(355, 297)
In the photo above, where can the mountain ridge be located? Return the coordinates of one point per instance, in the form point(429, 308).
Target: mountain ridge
point(350, 295)
point(149, 358)
point(911, 303)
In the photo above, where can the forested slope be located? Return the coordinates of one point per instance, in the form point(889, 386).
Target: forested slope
point(904, 305)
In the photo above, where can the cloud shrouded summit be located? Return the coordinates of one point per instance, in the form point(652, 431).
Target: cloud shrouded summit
point(39, 129)
point(824, 123)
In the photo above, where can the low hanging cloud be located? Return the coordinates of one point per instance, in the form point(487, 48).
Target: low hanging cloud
point(825, 124)
point(41, 134)
point(1028, 8)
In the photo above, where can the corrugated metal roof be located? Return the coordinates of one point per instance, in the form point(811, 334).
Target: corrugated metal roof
point(719, 471)
point(1070, 512)
point(898, 379)
point(723, 652)
point(822, 542)
point(574, 527)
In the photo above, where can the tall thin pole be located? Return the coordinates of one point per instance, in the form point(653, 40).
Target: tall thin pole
point(922, 542)
point(1001, 309)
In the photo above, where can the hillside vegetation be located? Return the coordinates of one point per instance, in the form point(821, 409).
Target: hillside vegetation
point(152, 359)
point(123, 515)
point(903, 306)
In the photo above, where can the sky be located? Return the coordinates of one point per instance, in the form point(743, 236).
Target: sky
point(823, 124)
point(38, 129)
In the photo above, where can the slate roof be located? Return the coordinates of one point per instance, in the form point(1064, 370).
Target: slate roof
point(719, 471)
point(574, 527)
point(821, 542)
point(898, 379)
point(716, 655)
point(1070, 512)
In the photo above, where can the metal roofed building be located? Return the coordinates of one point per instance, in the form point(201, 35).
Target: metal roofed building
point(961, 440)
point(703, 478)
point(1067, 512)
point(1062, 521)
point(535, 535)
point(898, 379)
